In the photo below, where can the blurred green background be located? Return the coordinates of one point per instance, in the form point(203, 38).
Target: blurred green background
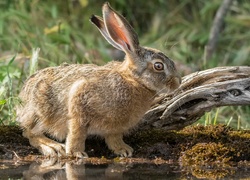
point(62, 31)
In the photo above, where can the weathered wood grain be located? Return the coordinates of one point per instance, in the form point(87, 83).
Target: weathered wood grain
point(199, 93)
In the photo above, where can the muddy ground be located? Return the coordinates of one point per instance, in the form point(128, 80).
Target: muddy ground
point(192, 145)
point(207, 152)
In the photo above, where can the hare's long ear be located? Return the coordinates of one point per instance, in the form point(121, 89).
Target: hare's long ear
point(98, 22)
point(119, 30)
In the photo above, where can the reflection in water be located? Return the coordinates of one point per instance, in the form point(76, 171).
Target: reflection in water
point(118, 170)
point(113, 171)
point(70, 171)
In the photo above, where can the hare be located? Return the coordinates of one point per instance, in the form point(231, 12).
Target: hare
point(70, 102)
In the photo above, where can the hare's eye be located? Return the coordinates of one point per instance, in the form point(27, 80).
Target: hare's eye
point(158, 66)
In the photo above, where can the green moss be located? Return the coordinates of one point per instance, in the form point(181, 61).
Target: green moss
point(193, 145)
point(226, 143)
point(206, 153)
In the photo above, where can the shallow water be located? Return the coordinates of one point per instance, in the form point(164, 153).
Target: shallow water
point(96, 171)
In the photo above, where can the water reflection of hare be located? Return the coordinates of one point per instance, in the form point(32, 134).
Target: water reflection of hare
point(71, 171)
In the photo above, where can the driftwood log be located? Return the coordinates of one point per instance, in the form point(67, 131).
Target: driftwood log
point(199, 93)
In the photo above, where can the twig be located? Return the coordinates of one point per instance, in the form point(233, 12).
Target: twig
point(216, 28)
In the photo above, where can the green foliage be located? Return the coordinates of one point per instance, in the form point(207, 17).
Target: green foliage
point(7, 93)
point(62, 31)
point(237, 117)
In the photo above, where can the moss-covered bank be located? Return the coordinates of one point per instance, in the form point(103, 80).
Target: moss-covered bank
point(204, 152)
point(192, 145)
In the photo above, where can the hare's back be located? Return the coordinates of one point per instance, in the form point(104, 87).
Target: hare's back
point(45, 93)
point(56, 81)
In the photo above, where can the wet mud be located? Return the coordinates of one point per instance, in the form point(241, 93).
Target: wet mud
point(196, 151)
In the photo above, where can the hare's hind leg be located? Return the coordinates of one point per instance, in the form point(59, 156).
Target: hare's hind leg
point(33, 130)
point(45, 145)
point(116, 143)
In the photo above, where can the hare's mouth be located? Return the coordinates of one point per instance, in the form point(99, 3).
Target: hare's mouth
point(173, 83)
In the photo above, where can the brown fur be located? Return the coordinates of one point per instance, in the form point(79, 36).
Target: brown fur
point(72, 101)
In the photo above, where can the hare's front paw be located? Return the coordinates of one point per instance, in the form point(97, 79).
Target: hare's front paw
point(116, 144)
point(79, 155)
point(75, 142)
point(124, 150)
